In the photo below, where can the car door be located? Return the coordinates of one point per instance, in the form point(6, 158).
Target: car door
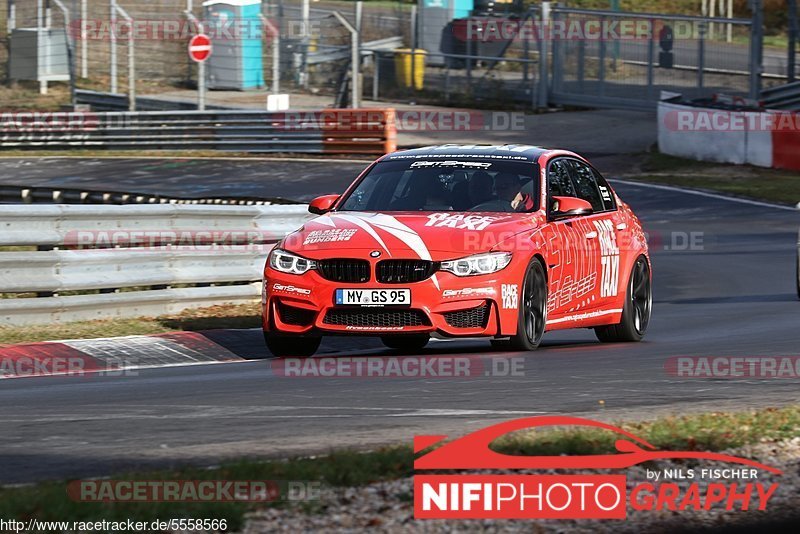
point(567, 267)
point(601, 229)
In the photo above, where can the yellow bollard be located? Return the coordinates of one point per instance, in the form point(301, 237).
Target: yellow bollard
point(402, 67)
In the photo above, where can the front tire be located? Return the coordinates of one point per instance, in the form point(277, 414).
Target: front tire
point(532, 316)
point(284, 346)
point(637, 309)
point(407, 343)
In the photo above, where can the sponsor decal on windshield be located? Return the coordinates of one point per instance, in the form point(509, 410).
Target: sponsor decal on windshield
point(450, 164)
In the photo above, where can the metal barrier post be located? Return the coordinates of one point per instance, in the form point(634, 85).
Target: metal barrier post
point(84, 40)
point(601, 74)
point(651, 58)
point(581, 62)
point(792, 58)
point(39, 39)
point(70, 51)
point(701, 54)
point(131, 60)
point(275, 31)
point(555, 53)
point(376, 75)
point(306, 15)
point(12, 16)
point(201, 66)
point(414, 41)
point(756, 50)
point(354, 57)
point(469, 63)
point(526, 51)
point(543, 95)
point(113, 44)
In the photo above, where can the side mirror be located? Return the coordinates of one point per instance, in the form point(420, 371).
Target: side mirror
point(322, 205)
point(564, 207)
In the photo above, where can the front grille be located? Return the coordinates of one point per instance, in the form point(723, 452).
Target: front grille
point(404, 271)
point(376, 318)
point(470, 318)
point(295, 316)
point(344, 270)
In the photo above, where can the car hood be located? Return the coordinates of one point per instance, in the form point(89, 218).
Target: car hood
point(430, 235)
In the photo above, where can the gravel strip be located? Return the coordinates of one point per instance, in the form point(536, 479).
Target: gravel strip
point(388, 506)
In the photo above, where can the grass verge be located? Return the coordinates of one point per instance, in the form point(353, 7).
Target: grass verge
point(210, 318)
point(747, 181)
point(711, 431)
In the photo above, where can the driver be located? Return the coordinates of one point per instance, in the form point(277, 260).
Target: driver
point(507, 185)
point(525, 200)
point(425, 192)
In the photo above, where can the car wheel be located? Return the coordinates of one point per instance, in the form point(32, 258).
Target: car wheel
point(291, 346)
point(532, 309)
point(407, 343)
point(637, 309)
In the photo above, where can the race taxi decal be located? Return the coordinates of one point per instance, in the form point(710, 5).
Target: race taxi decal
point(745, 486)
point(609, 250)
point(510, 294)
point(460, 221)
point(329, 236)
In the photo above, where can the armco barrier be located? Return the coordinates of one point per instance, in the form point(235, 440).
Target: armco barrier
point(123, 261)
point(13, 194)
point(335, 131)
point(763, 138)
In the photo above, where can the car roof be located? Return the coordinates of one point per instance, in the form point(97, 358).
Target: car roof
point(511, 152)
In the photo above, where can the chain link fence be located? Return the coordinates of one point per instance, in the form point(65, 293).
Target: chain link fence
point(490, 56)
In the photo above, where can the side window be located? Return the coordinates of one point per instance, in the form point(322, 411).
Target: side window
point(559, 183)
point(605, 191)
point(585, 185)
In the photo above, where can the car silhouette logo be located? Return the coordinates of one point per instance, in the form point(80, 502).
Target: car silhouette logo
point(472, 451)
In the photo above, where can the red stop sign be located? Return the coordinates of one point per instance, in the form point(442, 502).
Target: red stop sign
point(199, 48)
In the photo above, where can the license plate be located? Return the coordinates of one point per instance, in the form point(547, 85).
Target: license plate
point(373, 297)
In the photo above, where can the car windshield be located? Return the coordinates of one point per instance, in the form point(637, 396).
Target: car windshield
point(457, 184)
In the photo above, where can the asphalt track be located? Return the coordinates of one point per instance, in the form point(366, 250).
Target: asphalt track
point(185, 178)
point(732, 296)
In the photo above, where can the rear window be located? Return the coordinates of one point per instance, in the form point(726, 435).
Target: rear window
point(435, 184)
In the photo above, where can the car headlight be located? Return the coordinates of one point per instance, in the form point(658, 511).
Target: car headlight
point(286, 262)
point(477, 264)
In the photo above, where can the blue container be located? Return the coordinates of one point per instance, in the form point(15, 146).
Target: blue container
point(236, 30)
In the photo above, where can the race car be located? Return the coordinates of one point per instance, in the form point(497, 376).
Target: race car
point(502, 242)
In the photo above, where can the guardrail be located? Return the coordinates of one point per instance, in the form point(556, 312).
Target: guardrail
point(335, 131)
point(14, 194)
point(134, 260)
point(786, 97)
point(99, 101)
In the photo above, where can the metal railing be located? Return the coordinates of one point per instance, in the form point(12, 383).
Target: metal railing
point(785, 96)
point(332, 131)
point(14, 194)
point(631, 70)
point(126, 261)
